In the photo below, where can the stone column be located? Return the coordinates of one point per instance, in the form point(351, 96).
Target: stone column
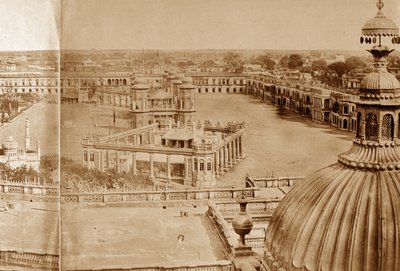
point(242, 146)
point(221, 159)
point(216, 163)
point(100, 160)
point(116, 162)
point(226, 158)
point(151, 166)
point(362, 129)
point(186, 179)
point(169, 168)
point(134, 169)
point(134, 139)
point(107, 158)
point(234, 151)
point(238, 148)
point(230, 154)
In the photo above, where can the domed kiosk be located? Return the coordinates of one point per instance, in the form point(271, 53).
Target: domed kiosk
point(347, 216)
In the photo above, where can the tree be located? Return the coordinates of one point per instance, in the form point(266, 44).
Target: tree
point(319, 65)
point(394, 62)
point(207, 63)
point(265, 61)
point(233, 62)
point(284, 62)
point(339, 68)
point(355, 62)
point(295, 61)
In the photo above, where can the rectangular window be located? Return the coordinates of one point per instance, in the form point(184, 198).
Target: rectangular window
point(91, 157)
point(209, 166)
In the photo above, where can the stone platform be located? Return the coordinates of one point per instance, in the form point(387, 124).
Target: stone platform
point(128, 237)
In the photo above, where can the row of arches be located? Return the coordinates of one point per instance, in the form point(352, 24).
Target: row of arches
point(200, 164)
point(116, 82)
point(374, 130)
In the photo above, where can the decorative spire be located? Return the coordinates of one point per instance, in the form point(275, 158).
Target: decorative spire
point(380, 5)
point(379, 27)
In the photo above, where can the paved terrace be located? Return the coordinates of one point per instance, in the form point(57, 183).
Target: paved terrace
point(29, 227)
point(127, 237)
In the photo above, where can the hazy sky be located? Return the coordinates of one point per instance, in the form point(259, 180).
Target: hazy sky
point(29, 24)
point(236, 24)
point(187, 24)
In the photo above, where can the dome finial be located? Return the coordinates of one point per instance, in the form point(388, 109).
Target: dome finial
point(379, 4)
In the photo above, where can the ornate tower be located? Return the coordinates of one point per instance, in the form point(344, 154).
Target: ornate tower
point(139, 106)
point(346, 216)
point(27, 135)
point(185, 99)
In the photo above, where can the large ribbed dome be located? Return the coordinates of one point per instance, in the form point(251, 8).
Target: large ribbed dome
point(339, 218)
point(380, 80)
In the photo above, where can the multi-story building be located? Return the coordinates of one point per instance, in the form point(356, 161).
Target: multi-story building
point(219, 83)
point(323, 105)
point(40, 82)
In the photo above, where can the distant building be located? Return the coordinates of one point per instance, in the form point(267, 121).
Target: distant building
point(14, 156)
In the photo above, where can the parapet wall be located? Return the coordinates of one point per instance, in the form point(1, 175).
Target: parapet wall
point(29, 191)
point(36, 261)
point(156, 196)
point(218, 266)
point(272, 182)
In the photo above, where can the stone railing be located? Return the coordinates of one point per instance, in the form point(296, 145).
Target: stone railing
point(221, 213)
point(153, 196)
point(271, 182)
point(218, 266)
point(222, 226)
point(29, 259)
point(254, 206)
point(27, 190)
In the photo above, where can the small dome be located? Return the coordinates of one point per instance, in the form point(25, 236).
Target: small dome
point(379, 80)
point(179, 76)
point(139, 80)
point(140, 83)
point(187, 81)
point(156, 85)
point(380, 26)
point(11, 144)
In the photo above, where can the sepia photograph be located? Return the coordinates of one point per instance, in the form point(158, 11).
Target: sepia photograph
point(200, 135)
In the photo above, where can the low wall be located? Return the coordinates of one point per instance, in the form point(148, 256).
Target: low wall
point(152, 196)
point(272, 182)
point(29, 191)
point(218, 266)
point(36, 261)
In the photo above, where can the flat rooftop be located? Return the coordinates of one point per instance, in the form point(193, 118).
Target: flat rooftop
point(30, 227)
point(128, 237)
